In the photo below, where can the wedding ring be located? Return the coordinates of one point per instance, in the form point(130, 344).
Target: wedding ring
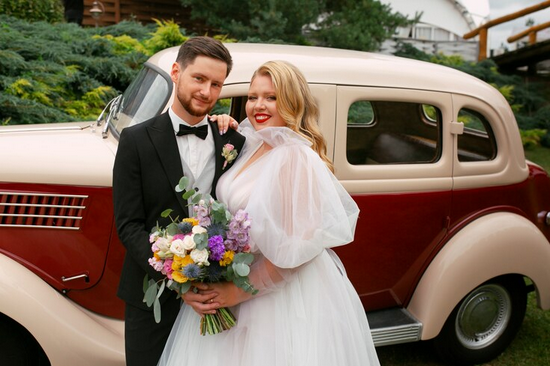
point(211, 301)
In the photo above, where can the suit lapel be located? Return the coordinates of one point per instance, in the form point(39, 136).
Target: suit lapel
point(163, 138)
point(230, 137)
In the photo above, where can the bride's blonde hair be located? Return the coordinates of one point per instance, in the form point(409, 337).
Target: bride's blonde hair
point(296, 104)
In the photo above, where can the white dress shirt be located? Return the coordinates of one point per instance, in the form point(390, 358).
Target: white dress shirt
point(198, 154)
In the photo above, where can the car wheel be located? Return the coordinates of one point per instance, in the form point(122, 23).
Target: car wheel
point(484, 323)
point(18, 347)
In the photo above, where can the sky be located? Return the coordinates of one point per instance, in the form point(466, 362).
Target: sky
point(498, 8)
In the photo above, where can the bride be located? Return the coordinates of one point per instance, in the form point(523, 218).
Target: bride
point(307, 311)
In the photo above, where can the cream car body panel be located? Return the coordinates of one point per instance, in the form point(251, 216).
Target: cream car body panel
point(493, 245)
point(70, 335)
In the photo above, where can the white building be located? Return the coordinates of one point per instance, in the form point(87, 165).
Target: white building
point(441, 27)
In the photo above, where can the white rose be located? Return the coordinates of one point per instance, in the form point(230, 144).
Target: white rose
point(189, 243)
point(178, 247)
point(154, 237)
point(163, 244)
point(200, 257)
point(198, 229)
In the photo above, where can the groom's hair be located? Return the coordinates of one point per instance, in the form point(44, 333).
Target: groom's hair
point(203, 46)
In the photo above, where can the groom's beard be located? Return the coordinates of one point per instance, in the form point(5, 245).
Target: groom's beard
point(187, 104)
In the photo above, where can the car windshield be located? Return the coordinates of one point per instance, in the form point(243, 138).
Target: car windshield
point(144, 98)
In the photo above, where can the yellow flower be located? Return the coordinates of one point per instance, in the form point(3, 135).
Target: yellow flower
point(178, 265)
point(179, 277)
point(227, 258)
point(193, 221)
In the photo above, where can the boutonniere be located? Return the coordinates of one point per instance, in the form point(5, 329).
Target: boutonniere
point(229, 153)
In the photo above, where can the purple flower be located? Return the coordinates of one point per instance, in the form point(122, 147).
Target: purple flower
point(202, 214)
point(238, 228)
point(215, 244)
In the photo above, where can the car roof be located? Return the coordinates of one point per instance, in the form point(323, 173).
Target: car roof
point(322, 65)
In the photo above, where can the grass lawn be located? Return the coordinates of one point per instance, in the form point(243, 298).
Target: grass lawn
point(531, 346)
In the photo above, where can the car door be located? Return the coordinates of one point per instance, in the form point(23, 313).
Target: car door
point(393, 153)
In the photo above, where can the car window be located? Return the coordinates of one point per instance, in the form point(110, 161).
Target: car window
point(386, 132)
point(477, 143)
point(144, 98)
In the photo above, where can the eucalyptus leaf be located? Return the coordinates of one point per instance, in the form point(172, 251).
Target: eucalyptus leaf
point(156, 310)
point(201, 240)
point(182, 184)
point(172, 229)
point(166, 213)
point(150, 294)
point(161, 289)
point(241, 269)
point(246, 258)
point(188, 194)
point(196, 198)
point(145, 283)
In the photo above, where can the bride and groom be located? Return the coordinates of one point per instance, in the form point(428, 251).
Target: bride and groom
point(306, 311)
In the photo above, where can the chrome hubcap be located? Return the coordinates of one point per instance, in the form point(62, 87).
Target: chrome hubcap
point(483, 316)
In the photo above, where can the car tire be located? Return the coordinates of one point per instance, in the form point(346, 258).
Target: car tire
point(484, 323)
point(18, 347)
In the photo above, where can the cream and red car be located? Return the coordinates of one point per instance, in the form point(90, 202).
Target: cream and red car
point(453, 232)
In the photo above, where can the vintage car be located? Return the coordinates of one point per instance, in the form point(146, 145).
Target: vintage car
point(453, 231)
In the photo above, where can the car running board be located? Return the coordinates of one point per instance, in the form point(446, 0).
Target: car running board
point(393, 326)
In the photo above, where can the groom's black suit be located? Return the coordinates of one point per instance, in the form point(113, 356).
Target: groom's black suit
point(146, 171)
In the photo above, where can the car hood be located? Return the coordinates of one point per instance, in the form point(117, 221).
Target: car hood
point(61, 153)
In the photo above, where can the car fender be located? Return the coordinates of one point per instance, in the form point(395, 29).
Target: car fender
point(491, 246)
point(69, 334)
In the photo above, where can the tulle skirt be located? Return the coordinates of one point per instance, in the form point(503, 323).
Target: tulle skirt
point(316, 319)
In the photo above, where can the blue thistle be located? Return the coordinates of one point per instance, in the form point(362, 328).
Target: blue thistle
point(216, 229)
point(192, 271)
point(185, 227)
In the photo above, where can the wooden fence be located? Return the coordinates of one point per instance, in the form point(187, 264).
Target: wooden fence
point(142, 11)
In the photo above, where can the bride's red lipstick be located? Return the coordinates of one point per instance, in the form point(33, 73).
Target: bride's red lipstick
point(261, 117)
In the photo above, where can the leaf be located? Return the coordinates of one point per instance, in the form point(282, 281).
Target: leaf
point(196, 198)
point(156, 310)
point(188, 194)
point(201, 240)
point(241, 269)
point(183, 184)
point(246, 258)
point(172, 229)
point(145, 283)
point(166, 213)
point(161, 289)
point(151, 294)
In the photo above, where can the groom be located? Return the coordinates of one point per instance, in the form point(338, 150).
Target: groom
point(151, 158)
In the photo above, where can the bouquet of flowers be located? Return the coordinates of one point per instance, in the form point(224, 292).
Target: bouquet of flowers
point(211, 246)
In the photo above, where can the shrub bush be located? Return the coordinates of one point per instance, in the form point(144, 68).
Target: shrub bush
point(34, 10)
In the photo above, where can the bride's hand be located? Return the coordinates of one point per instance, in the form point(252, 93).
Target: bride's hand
point(224, 121)
point(201, 299)
point(228, 294)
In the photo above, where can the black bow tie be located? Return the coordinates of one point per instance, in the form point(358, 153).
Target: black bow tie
point(201, 131)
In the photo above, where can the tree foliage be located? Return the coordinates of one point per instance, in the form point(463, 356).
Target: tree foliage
point(263, 20)
point(359, 25)
point(33, 10)
point(62, 72)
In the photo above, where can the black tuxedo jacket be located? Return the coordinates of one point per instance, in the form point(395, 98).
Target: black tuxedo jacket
point(146, 171)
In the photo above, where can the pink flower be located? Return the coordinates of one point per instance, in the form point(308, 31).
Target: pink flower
point(229, 154)
point(167, 270)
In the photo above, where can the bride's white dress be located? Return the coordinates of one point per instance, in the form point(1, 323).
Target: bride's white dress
point(308, 313)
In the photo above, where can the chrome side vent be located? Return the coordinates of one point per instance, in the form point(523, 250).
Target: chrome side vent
point(39, 210)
